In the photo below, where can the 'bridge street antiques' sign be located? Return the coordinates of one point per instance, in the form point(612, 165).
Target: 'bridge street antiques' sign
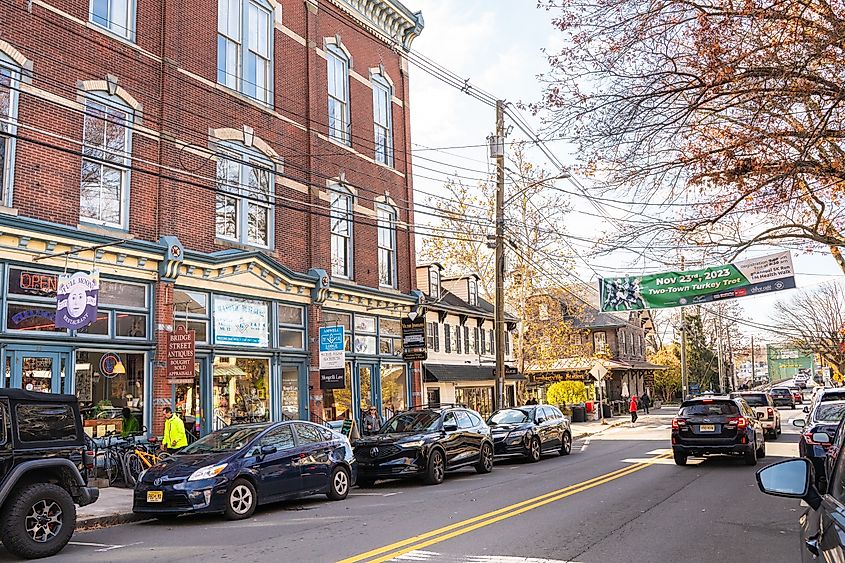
point(181, 348)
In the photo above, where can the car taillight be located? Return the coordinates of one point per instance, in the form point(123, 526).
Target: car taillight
point(740, 422)
point(678, 422)
point(771, 412)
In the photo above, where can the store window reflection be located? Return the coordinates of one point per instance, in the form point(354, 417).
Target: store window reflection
point(394, 389)
point(365, 375)
point(479, 399)
point(189, 403)
point(337, 403)
point(108, 381)
point(290, 391)
point(241, 390)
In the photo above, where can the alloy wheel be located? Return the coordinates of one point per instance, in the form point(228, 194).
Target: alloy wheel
point(487, 456)
point(44, 521)
point(340, 483)
point(567, 443)
point(535, 449)
point(240, 499)
point(437, 461)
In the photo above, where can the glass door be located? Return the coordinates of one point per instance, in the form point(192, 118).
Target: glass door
point(367, 376)
point(39, 371)
point(188, 401)
point(291, 392)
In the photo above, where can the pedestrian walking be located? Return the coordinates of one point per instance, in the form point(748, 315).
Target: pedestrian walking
point(371, 422)
point(633, 408)
point(645, 401)
point(174, 432)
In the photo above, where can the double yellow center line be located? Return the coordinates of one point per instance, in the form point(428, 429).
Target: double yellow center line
point(427, 539)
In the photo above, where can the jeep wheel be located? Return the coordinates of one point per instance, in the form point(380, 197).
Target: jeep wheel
point(435, 470)
point(38, 521)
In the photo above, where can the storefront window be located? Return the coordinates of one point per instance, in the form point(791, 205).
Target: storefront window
point(390, 337)
point(290, 391)
point(365, 375)
point(291, 326)
point(120, 294)
point(100, 327)
point(365, 335)
point(191, 311)
point(189, 403)
point(394, 389)
point(108, 381)
point(131, 326)
point(479, 399)
point(337, 403)
point(36, 317)
point(331, 318)
point(37, 374)
point(241, 390)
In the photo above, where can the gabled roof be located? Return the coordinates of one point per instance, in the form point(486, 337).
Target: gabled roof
point(453, 304)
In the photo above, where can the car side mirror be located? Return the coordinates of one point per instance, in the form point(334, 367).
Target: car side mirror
point(821, 437)
point(449, 427)
point(806, 409)
point(799, 422)
point(267, 449)
point(792, 478)
point(540, 420)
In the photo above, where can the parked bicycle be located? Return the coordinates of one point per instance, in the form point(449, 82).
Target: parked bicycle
point(141, 457)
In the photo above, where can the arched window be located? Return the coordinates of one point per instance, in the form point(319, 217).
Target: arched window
point(341, 231)
point(382, 119)
point(338, 81)
point(245, 47)
point(106, 160)
point(387, 217)
point(10, 75)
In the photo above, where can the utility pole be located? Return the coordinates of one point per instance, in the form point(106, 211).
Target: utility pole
point(753, 363)
point(684, 389)
point(498, 151)
point(720, 351)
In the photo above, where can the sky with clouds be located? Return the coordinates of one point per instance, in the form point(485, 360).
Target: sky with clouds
point(498, 45)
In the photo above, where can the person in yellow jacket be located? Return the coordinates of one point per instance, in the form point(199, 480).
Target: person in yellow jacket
point(174, 432)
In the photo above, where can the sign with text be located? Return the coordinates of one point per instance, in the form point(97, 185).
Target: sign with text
point(332, 357)
point(77, 297)
point(413, 339)
point(181, 349)
point(743, 278)
point(241, 322)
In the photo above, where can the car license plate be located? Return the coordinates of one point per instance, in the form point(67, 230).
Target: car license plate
point(707, 428)
point(155, 496)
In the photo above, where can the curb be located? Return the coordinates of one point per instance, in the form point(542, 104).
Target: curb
point(588, 434)
point(108, 520)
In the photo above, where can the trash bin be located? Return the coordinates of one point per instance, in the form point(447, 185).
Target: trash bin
point(606, 411)
point(579, 413)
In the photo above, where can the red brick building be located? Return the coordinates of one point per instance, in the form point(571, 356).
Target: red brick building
point(237, 167)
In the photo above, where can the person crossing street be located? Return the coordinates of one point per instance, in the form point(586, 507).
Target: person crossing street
point(632, 407)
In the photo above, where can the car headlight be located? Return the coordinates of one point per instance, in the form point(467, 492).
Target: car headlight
point(414, 444)
point(207, 472)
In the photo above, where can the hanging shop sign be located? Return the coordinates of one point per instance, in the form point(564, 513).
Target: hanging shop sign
point(181, 349)
point(332, 357)
point(240, 322)
point(413, 339)
point(76, 299)
point(744, 278)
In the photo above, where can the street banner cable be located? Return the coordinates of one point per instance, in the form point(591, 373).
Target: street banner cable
point(743, 278)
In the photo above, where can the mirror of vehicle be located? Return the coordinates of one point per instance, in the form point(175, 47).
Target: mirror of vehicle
point(806, 409)
point(799, 422)
point(450, 427)
point(790, 478)
point(821, 437)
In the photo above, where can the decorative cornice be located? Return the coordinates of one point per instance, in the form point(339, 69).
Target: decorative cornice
point(387, 18)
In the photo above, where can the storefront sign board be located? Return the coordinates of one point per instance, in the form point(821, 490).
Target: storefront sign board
point(241, 322)
point(332, 357)
point(76, 300)
point(754, 276)
point(181, 349)
point(413, 339)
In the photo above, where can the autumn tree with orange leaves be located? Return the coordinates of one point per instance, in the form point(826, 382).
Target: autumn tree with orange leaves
point(720, 122)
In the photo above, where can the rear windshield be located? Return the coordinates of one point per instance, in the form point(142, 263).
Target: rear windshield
point(755, 400)
point(833, 396)
point(830, 413)
point(780, 392)
point(709, 409)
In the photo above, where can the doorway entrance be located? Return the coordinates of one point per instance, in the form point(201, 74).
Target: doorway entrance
point(36, 370)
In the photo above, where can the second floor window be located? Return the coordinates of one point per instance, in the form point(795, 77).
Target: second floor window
point(104, 185)
point(448, 338)
point(599, 343)
point(9, 78)
point(338, 79)
point(382, 96)
point(341, 227)
point(473, 292)
point(244, 196)
point(483, 349)
point(434, 283)
point(245, 47)
point(117, 16)
point(386, 246)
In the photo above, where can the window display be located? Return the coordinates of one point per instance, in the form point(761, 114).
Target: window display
point(241, 390)
point(394, 389)
point(290, 391)
point(337, 403)
point(108, 381)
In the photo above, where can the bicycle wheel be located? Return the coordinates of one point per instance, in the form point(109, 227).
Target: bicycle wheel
point(134, 467)
point(113, 467)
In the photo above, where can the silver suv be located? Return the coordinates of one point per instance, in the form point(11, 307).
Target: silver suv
point(765, 410)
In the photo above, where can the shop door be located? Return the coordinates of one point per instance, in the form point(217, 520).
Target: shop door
point(292, 400)
point(190, 403)
point(40, 371)
point(368, 380)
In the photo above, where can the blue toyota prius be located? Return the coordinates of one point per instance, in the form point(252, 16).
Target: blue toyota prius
point(233, 470)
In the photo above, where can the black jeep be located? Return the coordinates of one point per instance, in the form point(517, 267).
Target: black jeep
point(42, 471)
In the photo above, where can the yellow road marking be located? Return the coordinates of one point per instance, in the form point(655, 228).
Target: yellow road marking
point(459, 528)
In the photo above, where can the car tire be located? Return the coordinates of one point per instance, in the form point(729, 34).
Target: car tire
point(680, 458)
point(751, 456)
point(774, 434)
point(37, 500)
point(761, 452)
point(338, 484)
point(365, 482)
point(779, 430)
point(485, 459)
point(241, 500)
point(533, 453)
point(566, 444)
point(435, 468)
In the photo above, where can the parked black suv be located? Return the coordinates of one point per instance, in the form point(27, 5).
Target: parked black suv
point(530, 431)
point(426, 442)
point(717, 425)
point(42, 476)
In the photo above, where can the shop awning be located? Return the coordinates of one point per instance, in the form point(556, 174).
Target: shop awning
point(228, 371)
point(447, 372)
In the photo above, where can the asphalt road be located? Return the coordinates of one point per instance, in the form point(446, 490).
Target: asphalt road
point(618, 497)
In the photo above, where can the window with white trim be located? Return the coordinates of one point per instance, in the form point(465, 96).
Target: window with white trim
point(434, 283)
point(386, 246)
point(473, 292)
point(341, 232)
point(338, 80)
point(382, 120)
point(117, 16)
point(244, 196)
point(106, 159)
point(10, 75)
point(245, 47)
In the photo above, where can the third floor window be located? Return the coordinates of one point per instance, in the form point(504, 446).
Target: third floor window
point(338, 79)
point(117, 16)
point(244, 198)
point(386, 246)
point(382, 96)
point(245, 47)
point(341, 227)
